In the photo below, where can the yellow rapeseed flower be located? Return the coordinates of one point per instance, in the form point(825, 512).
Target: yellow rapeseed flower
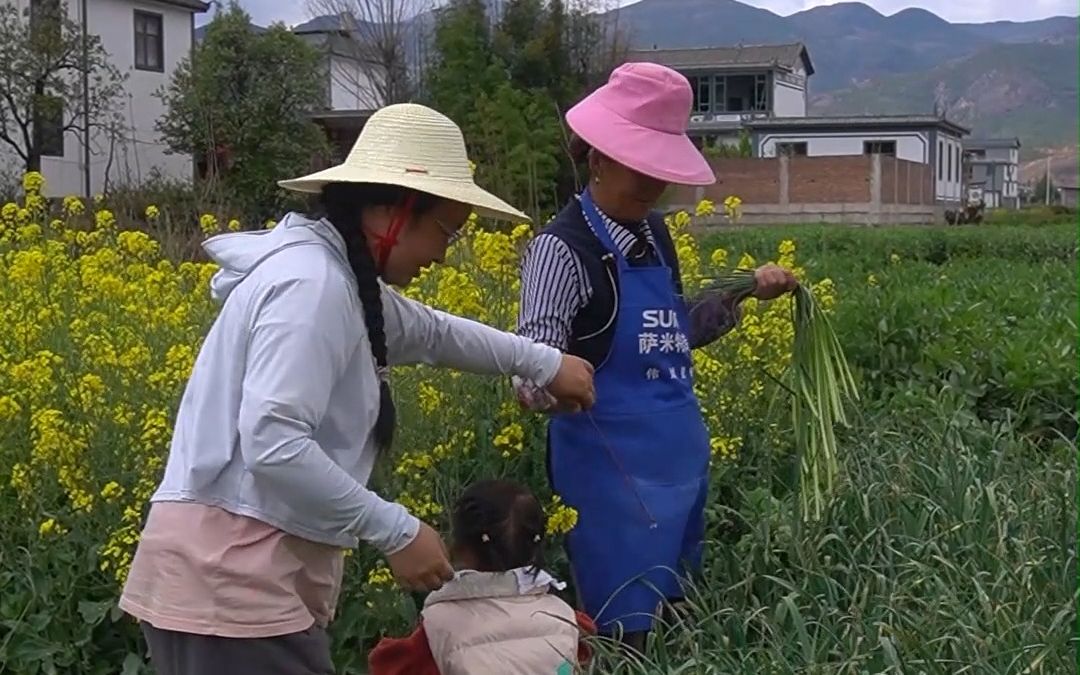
point(33, 182)
point(208, 223)
point(112, 491)
point(50, 527)
point(511, 438)
point(73, 206)
point(380, 575)
point(561, 518)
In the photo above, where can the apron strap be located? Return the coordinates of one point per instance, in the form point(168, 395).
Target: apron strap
point(596, 224)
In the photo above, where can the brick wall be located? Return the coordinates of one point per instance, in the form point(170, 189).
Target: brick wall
point(816, 188)
point(755, 181)
point(904, 182)
point(829, 179)
point(760, 181)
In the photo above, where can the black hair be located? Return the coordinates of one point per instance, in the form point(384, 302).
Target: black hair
point(342, 205)
point(578, 149)
point(502, 524)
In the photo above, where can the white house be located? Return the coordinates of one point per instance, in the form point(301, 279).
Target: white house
point(926, 139)
point(735, 84)
point(146, 40)
point(993, 170)
point(350, 84)
point(354, 85)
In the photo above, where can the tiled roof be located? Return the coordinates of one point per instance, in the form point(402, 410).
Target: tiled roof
point(785, 55)
point(864, 121)
point(977, 143)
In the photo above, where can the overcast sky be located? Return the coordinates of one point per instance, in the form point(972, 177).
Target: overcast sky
point(295, 11)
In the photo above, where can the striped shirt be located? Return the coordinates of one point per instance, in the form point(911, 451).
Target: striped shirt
point(555, 287)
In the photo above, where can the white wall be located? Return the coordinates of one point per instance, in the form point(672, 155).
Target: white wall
point(351, 85)
point(140, 152)
point(948, 178)
point(912, 146)
point(788, 100)
point(137, 152)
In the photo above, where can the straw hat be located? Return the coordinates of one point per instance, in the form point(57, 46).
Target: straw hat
point(415, 147)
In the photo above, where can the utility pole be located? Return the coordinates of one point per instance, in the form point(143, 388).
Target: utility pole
point(1048, 180)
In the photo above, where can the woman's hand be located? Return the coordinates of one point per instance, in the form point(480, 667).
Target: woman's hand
point(773, 281)
point(423, 564)
point(573, 385)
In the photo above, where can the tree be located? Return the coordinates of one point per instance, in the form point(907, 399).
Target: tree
point(1041, 190)
point(464, 65)
point(53, 79)
point(509, 82)
point(242, 106)
point(380, 45)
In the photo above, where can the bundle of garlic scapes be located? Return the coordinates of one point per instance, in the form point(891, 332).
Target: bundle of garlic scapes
point(819, 382)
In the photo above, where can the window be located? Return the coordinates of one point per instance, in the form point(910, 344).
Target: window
point(940, 159)
point(149, 42)
point(49, 125)
point(791, 149)
point(702, 87)
point(949, 172)
point(879, 147)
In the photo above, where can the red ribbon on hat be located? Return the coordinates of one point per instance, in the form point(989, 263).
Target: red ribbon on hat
point(384, 243)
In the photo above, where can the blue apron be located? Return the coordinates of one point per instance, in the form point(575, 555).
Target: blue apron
point(635, 467)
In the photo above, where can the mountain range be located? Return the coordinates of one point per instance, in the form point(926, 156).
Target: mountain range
point(1000, 79)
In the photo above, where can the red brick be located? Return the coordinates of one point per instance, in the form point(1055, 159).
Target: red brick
point(754, 181)
point(829, 179)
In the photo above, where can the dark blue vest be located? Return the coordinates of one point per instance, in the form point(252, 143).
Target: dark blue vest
point(594, 325)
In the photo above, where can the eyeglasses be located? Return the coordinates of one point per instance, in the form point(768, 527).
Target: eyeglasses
point(451, 234)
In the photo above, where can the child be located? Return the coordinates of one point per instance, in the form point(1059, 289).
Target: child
point(497, 614)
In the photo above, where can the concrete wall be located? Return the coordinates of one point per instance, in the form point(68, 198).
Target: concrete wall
point(856, 189)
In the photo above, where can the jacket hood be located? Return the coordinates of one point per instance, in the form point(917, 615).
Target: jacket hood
point(238, 253)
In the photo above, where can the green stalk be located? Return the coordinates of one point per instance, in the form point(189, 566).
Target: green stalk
point(819, 382)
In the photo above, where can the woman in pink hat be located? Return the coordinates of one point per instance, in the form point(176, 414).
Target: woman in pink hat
point(602, 282)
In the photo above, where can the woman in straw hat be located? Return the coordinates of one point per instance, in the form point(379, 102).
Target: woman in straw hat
point(288, 406)
point(602, 281)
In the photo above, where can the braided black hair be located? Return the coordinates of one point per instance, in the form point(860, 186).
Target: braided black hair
point(502, 524)
point(343, 204)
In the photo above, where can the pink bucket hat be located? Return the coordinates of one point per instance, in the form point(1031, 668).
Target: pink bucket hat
point(639, 119)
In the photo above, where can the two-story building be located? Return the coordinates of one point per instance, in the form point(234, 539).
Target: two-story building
point(352, 84)
point(993, 171)
point(762, 90)
point(733, 85)
point(146, 40)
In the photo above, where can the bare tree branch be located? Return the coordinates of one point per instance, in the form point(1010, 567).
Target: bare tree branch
point(44, 57)
point(369, 52)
